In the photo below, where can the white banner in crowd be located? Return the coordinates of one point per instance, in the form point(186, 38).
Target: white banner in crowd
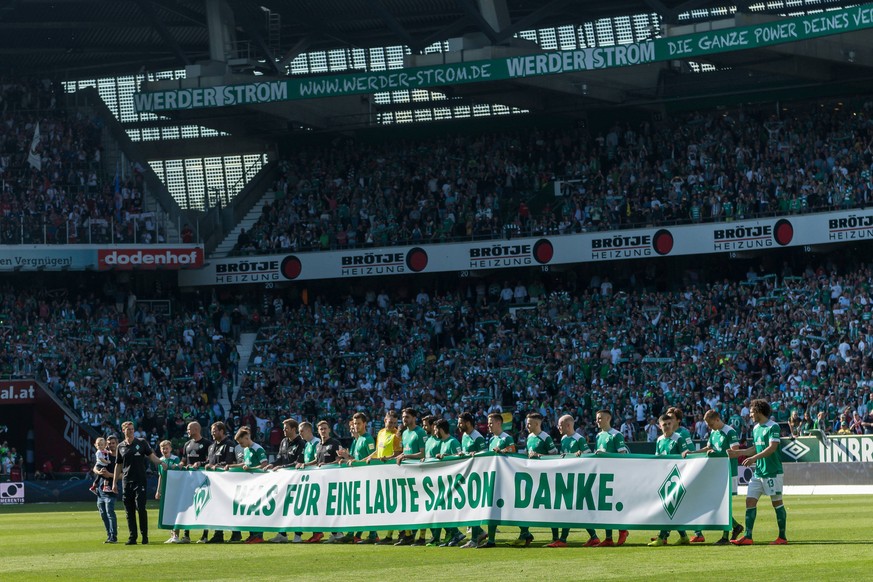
point(696, 239)
point(611, 491)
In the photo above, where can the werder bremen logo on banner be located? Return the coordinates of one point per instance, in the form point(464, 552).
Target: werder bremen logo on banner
point(672, 492)
point(201, 496)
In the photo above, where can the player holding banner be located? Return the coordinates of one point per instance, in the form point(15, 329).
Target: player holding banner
point(502, 443)
point(670, 443)
point(609, 440)
point(539, 443)
point(432, 446)
point(685, 435)
point(412, 439)
point(572, 443)
point(195, 454)
point(722, 438)
point(449, 447)
point(472, 442)
point(310, 451)
point(768, 472)
point(363, 446)
point(290, 453)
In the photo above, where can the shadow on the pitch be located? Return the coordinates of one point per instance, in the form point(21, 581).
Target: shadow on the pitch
point(832, 543)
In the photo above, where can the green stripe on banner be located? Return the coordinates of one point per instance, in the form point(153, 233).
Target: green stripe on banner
point(519, 67)
point(593, 491)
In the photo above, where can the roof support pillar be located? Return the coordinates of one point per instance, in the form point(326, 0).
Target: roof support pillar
point(220, 23)
point(495, 13)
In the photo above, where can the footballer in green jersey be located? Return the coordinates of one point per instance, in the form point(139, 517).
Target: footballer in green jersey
point(311, 446)
point(539, 443)
point(254, 457)
point(472, 442)
point(362, 447)
point(767, 480)
point(501, 442)
point(309, 451)
point(722, 438)
point(670, 443)
point(413, 440)
point(685, 435)
point(449, 446)
point(683, 432)
point(609, 440)
point(572, 443)
point(432, 445)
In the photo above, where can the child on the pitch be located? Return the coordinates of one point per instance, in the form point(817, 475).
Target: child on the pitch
point(172, 461)
point(101, 458)
point(670, 443)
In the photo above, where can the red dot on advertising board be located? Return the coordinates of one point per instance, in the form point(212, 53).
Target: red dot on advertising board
point(543, 251)
point(663, 242)
point(783, 233)
point(416, 259)
point(291, 267)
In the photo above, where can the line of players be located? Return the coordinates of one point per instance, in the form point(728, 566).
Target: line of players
point(433, 440)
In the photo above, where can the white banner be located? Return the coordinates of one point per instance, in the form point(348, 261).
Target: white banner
point(11, 493)
point(610, 491)
point(734, 238)
point(33, 157)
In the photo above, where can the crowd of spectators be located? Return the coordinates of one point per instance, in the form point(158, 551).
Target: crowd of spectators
point(716, 166)
point(111, 357)
point(9, 458)
point(69, 197)
point(802, 341)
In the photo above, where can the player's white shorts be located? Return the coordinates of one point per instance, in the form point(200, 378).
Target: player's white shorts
point(735, 480)
point(770, 486)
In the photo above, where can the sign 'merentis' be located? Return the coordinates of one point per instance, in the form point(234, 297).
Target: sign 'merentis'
point(612, 491)
point(519, 67)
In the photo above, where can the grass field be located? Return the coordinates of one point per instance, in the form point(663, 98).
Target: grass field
point(831, 539)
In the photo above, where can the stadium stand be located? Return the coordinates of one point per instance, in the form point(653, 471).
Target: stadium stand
point(68, 198)
point(623, 156)
point(699, 167)
point(803, 341)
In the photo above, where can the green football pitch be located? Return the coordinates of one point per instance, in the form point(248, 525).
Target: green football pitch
point(831, 538)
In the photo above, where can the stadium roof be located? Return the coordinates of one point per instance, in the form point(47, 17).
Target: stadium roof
point(76, 38)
